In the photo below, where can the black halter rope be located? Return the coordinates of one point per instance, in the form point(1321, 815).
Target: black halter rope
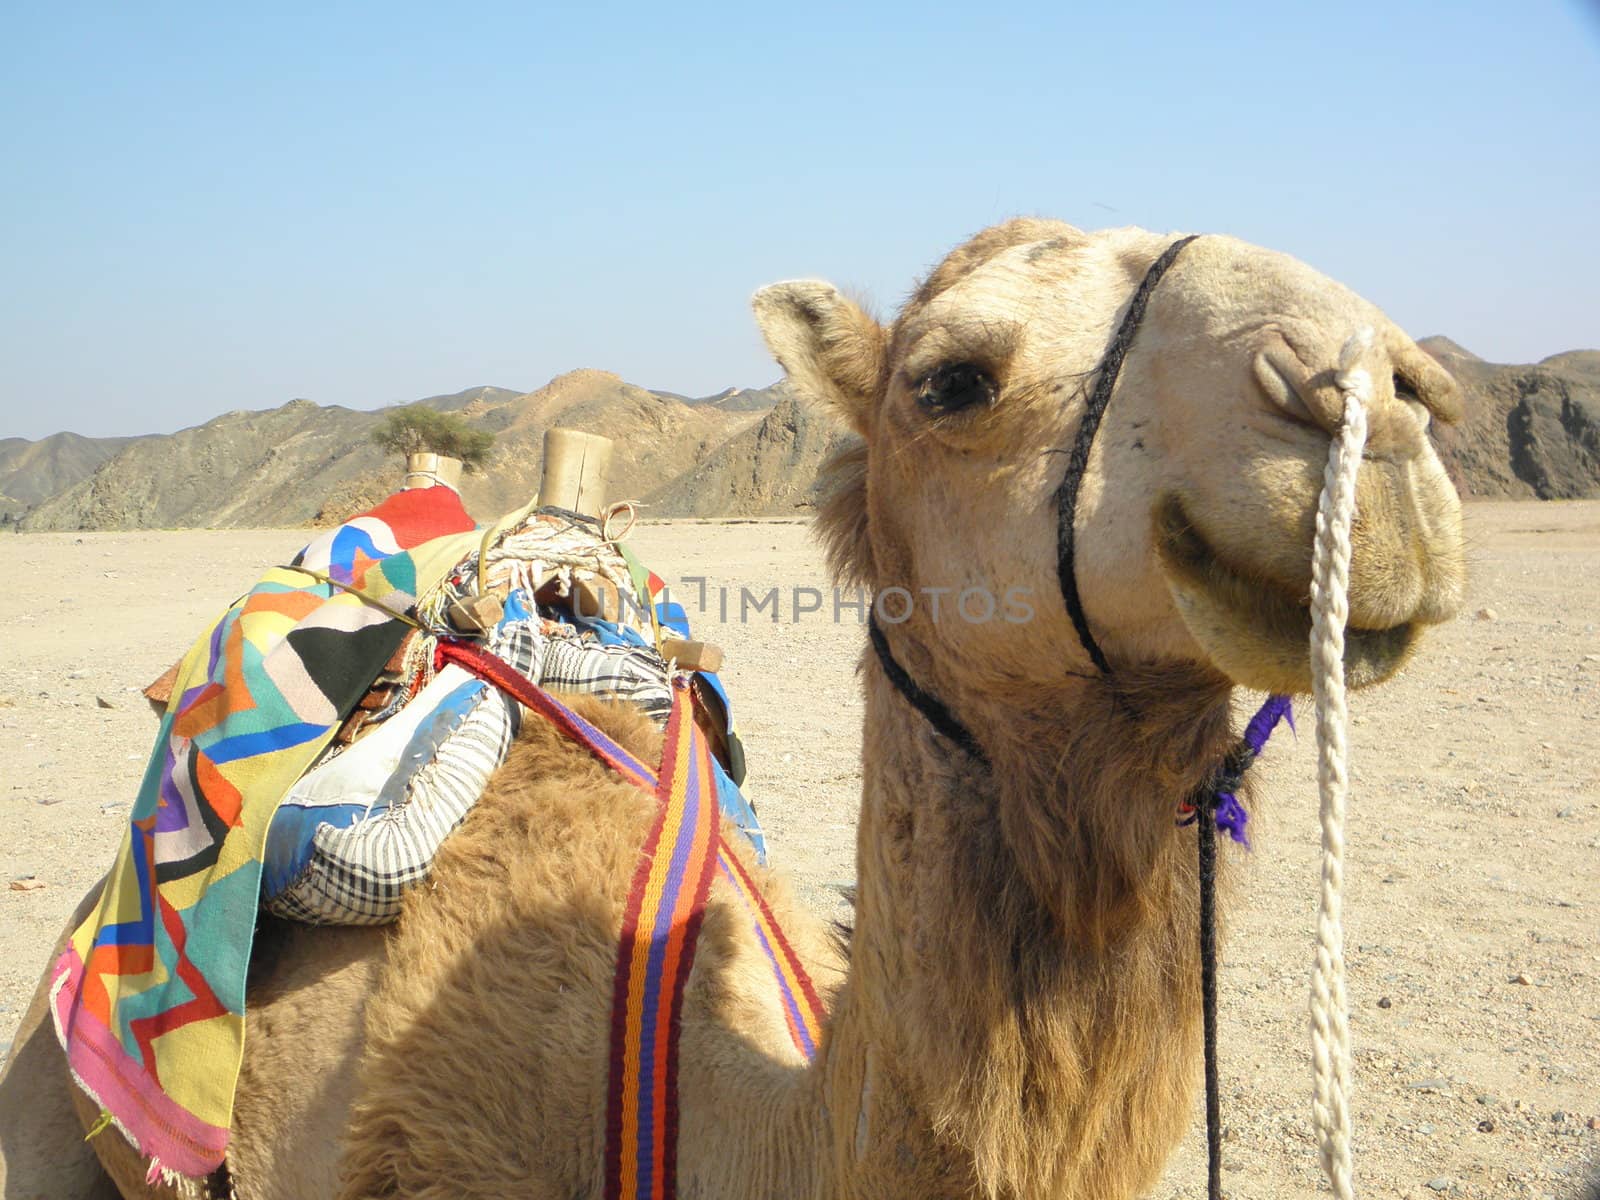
point(947, 723)
point(929, 705)
point(1093, 411)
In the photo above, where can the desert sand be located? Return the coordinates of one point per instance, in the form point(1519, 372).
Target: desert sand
point(1473, 901)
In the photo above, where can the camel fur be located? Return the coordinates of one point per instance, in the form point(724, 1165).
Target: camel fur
point(1016, 1014)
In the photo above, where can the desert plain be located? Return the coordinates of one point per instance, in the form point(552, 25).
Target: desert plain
point(1473, 858)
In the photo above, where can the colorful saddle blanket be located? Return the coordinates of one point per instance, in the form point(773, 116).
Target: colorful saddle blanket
point(148, 996)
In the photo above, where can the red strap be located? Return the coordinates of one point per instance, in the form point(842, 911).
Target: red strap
point(655, 954)
point(493, 669)
point(803, 1008)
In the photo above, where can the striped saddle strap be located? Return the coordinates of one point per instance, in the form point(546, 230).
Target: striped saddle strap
point(661, 924)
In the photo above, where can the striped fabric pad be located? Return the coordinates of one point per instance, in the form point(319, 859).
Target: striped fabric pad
point(618, 672)
point(358, 874)
point(359, 830)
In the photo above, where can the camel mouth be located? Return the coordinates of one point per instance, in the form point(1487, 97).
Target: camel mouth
point(1257, 630)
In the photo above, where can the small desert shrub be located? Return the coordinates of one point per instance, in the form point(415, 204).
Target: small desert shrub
point(416, 427)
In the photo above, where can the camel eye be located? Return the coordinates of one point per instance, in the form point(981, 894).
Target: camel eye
point(954, 387)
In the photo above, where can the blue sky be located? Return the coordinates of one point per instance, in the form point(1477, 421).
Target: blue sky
point(206, 208)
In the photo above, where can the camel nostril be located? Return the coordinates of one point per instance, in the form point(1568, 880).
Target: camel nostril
point(1407, 395)
point(1297, 393)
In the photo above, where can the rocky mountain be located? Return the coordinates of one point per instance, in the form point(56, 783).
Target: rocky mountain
point(748, 399)
point(767, 470)
point(34, 471)
point(736, 399)
point(305, 462)
point(239, 469)
point(1530, 430)
point(467, 399)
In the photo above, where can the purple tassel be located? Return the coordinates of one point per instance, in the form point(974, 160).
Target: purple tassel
point(1229, 814)
point(1232, 818)
point(1277, 708)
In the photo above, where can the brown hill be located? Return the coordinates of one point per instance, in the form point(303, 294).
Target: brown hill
point(239, 469)
point(742, 399)
point(657, 438)
point(1530, 431)
point(34, 471)
point(769, 469)
point(304, 462)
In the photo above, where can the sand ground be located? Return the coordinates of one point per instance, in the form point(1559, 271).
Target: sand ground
point(1473, 904)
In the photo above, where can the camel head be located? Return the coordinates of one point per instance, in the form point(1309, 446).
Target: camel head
point(1193, 523)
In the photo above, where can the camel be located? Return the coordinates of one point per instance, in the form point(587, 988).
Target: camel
point(1016, 1011)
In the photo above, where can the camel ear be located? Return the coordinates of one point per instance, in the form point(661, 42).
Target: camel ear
point(832, 351)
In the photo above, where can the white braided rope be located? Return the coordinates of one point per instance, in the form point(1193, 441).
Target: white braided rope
point(1330, 584)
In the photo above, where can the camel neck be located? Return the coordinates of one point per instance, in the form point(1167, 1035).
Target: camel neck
point(1021, 1014)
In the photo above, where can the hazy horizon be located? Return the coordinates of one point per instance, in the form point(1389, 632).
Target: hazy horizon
point(210, 210)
